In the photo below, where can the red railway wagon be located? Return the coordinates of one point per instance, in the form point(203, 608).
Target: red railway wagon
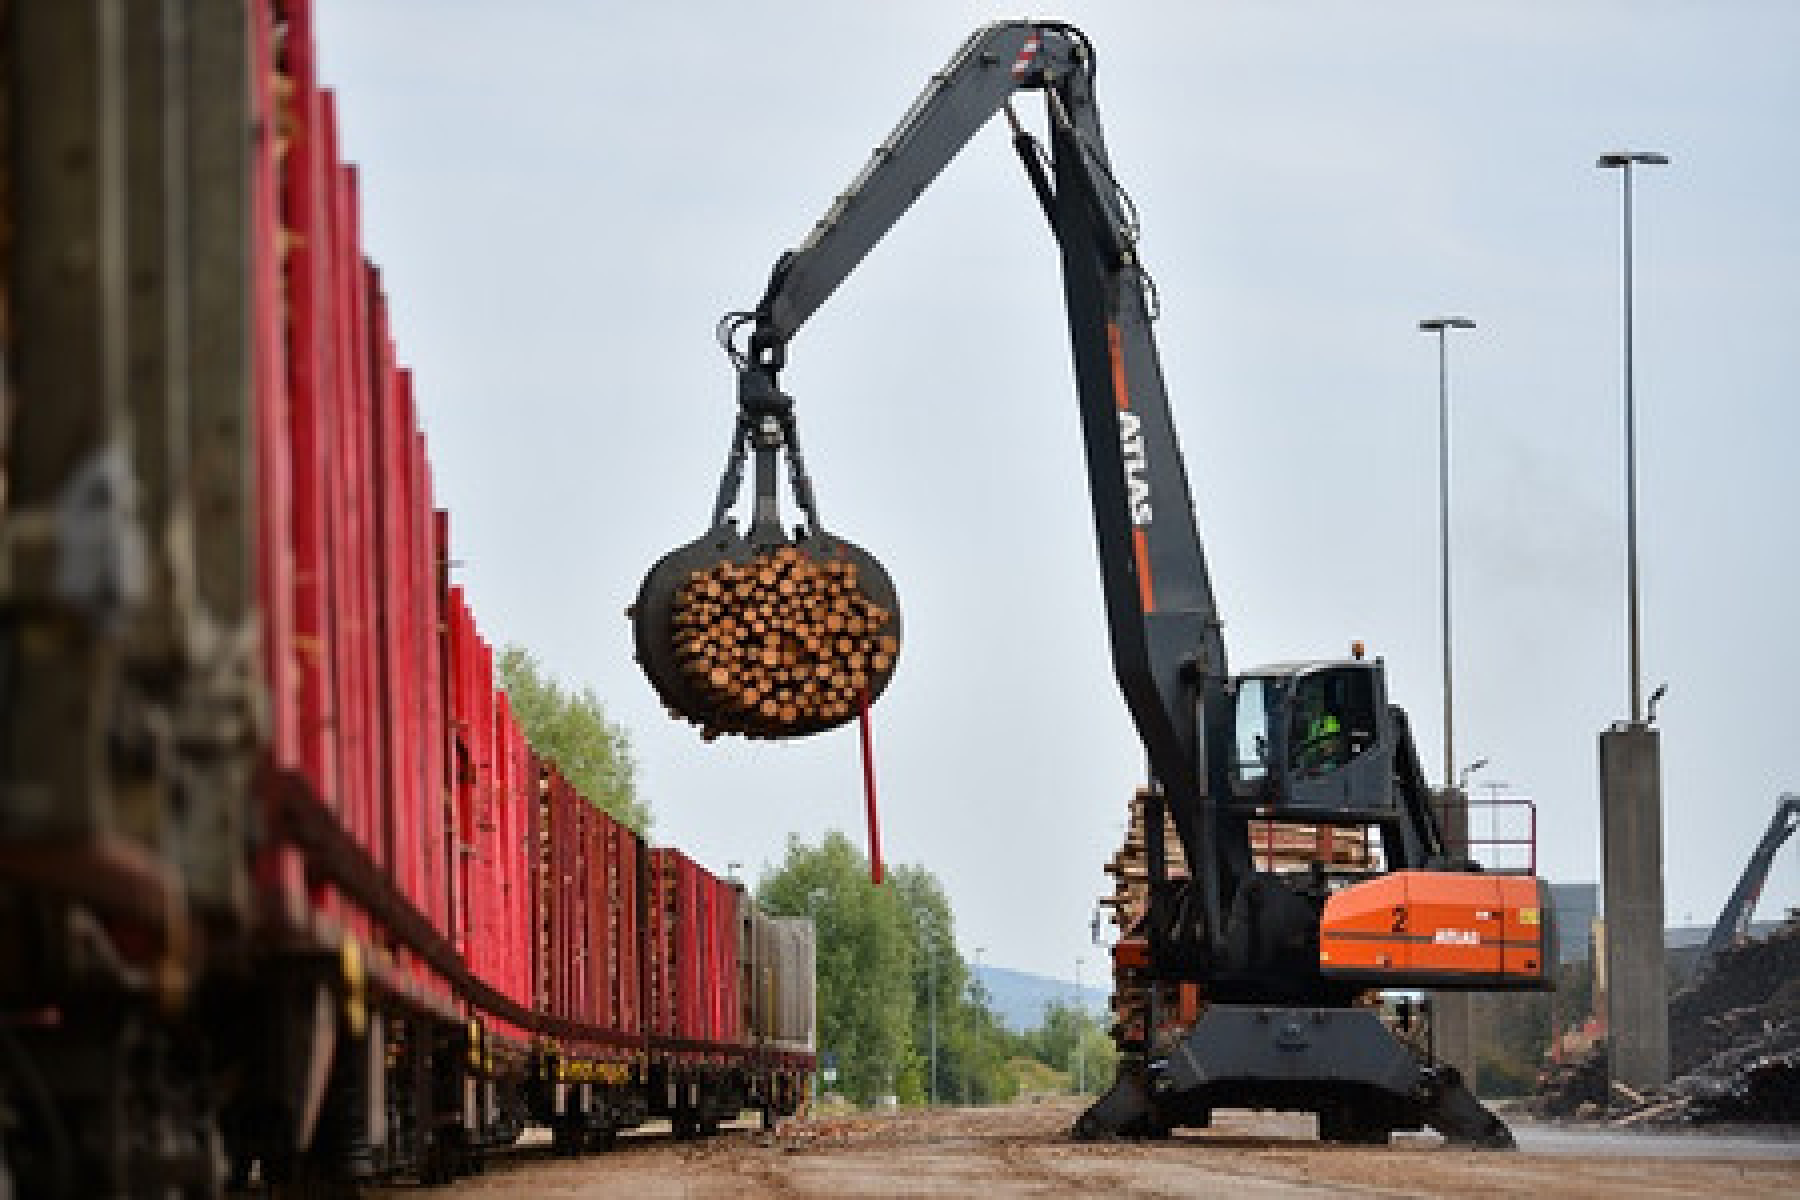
point(694, 986)
point(494, 810)
point(512, 849)
point(590, 919)
point(725, 1016)
point(587, 956)
point(693, 982)
point(260, 770)
point(351, 582)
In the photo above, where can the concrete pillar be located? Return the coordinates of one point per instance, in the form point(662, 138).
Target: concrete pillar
point(1637, 1004)
point(1452, 1013)
point(1453, 1032)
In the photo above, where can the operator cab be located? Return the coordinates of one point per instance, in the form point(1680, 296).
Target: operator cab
point(1313, 741)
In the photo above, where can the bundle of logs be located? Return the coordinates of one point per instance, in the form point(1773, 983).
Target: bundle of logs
point(778, 645)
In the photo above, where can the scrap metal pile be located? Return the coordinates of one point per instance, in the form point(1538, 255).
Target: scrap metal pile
point(1734, 1047)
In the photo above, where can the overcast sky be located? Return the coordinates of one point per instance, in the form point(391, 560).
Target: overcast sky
point(563, 198)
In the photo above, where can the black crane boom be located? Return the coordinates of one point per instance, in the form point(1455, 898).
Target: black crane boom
point(1734, 918)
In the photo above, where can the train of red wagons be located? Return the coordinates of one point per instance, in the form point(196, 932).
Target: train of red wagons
point(432, 941)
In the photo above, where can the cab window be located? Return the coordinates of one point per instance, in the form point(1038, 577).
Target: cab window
point(1252, 742)
point(1333, 719)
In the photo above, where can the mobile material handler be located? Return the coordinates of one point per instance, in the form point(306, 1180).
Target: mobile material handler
point(1281, 967)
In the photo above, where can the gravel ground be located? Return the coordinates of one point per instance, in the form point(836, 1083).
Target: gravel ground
point(1022, 1151)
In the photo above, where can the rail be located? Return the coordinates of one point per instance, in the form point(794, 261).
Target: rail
point(1500, 833)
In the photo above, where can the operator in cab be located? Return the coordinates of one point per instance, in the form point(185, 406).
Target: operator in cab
point(1319, 741)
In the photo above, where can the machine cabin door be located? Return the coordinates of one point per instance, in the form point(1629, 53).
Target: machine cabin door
point(1315, 743)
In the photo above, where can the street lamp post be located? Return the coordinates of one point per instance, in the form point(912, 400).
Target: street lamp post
point(1452, 1020)
point(1462, 779)
point(976, 983)
point(925, 932)
point(931, 986)
point(1622, 161)
point(1080, 1028)
point(1441, 326)
point(1631, 850)
point(812, 914)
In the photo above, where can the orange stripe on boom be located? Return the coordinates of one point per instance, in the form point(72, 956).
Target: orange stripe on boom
point(1120, 396)
point(1140, 545)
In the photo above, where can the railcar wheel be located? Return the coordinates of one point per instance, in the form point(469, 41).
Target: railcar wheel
point(439, 1166)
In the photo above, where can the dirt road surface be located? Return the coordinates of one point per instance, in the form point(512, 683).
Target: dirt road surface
point(1023, 1151)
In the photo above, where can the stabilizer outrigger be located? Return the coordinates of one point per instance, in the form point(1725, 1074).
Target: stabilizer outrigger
point(1343, 1064)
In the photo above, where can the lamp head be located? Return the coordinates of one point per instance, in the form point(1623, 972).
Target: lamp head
point(1626, 158)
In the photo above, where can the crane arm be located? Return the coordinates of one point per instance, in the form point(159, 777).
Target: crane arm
point(1168, 650)
point(981, 76)
point(1734, 919)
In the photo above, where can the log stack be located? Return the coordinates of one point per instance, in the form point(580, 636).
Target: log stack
point(1130, 867)
point(1274, 846)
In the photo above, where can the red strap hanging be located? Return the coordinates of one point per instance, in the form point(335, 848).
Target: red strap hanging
point(868, 764)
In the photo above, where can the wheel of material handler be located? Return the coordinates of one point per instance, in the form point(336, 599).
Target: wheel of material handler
point(767, 639)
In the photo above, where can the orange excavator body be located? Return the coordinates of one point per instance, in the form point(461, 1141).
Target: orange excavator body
point(1439, 929)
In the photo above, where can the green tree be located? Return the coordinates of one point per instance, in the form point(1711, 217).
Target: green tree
point(1053, 1042)
point(973, 1048)
point(1072, 1040)
point(939, 980)
point(865, 959)
point(985, 1051)
point(571, 728)
point(887, 964)
point(1099, 1061)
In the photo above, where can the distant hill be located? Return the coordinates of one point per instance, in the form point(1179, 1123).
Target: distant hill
point(1019, 998)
